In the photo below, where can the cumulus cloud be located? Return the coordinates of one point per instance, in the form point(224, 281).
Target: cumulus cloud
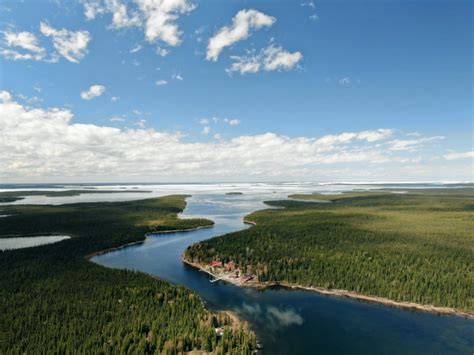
point(268, 59)
point(462, 155)
point(71, 45)
point(157, 18)
point(161, 82)
point(93, 92)
point(242, 24)
point(45, 143)
point(206, 130)
point(160, 19)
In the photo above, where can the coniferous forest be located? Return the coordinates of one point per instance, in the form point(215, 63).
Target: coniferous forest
point(54, 300)
point(416, 246)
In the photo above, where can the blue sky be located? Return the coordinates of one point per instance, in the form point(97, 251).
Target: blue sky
point(343, 67)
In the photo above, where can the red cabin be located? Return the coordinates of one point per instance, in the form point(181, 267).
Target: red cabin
point(215, 263)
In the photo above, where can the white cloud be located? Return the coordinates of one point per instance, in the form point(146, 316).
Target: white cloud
point(161, 82)
point(268, 59)
point(204, 121)
point(117, 119)
point(242, 24)
point(462, 155)
point(157, 18)
point(309, 4)
point(120, 13)
point(140, 123)
point(136, 49)
point(275, 58)
point(114, 98)
point(30, 100)
point(45, 144)
point(206, 130)
point(162, 52)
point(71, 45)
point(232, 122)
point(160, 19)
point(375, 135)
point(178, 77)
point(93, 92)
point(411, 144)
point(345, 81)
point(25, 41)
point(5, 96)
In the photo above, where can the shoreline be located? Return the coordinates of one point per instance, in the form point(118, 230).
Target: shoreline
point(339, 293)
point(146, 235)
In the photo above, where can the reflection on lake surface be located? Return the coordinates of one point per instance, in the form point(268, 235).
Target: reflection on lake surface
point(291, 322)
point(26, 242)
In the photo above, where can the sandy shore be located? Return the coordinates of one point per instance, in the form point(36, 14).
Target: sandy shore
point(339, 293)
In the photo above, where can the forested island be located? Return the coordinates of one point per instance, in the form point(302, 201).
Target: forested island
point(54, 300)
point(415, 248)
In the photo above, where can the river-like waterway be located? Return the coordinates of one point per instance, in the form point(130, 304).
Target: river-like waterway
point(291, 322)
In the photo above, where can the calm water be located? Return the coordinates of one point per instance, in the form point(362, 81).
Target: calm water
point(27, 242)
point(291, 322)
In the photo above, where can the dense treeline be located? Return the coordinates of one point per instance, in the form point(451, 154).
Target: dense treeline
point(53, 300)
point(408, 247)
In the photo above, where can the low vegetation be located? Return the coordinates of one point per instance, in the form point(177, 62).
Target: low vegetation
point(416, 246)
point(53, 300)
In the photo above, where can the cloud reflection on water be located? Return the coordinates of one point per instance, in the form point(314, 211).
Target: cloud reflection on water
point(274, 317)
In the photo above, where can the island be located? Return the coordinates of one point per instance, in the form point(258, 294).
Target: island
point(411, 250)
point(54, 300)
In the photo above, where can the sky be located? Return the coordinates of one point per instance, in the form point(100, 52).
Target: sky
point(212, 90)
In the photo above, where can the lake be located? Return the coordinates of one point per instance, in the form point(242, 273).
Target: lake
point(290, 322)
point(27, 242)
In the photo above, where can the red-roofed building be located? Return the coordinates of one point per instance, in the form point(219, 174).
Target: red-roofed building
point(215, 263)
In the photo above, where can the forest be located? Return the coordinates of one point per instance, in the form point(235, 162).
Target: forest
point(53, 300)
point(415, 246)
